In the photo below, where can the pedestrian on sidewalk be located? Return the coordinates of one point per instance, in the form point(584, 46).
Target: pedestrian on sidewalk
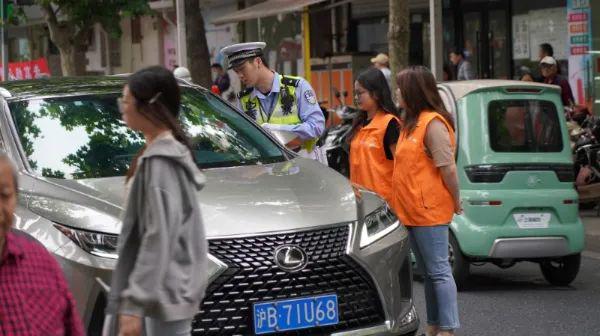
point(425, 189)
point(220, 77)
point(161, 273)
point(549, 68)
point(374, 135)
point(34, 296)
point(382, 62)
point(464, 69)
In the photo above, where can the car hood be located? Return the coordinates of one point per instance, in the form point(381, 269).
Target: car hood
point(285, 196)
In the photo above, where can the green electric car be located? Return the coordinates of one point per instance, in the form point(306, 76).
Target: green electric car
point(516, 179)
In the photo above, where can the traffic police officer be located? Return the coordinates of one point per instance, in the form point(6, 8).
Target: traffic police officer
point(277, 102)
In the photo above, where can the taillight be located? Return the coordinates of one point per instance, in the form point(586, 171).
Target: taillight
point(523, 90)
point(486, 203)
point(486, 173)
point(495, 173)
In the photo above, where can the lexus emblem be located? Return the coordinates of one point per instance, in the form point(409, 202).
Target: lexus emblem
point(290, 258)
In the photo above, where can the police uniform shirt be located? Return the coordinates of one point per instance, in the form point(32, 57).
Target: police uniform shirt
point(313, 121)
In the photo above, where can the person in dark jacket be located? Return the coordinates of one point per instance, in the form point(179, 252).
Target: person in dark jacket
point(161, 273)
point(221, 77)
point(549, 68)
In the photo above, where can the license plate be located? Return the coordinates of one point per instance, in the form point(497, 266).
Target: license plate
point(293, 314)
point(532, 220)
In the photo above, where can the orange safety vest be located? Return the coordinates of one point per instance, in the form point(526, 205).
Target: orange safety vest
point(369, 167)
point(420, 195)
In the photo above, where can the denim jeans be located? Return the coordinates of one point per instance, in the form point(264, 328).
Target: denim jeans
point(430, 247)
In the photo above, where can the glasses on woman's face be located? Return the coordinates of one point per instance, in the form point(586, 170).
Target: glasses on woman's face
point(358, 93)
point(121, 103)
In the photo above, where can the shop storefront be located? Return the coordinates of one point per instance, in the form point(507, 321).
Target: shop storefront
point(502, 38)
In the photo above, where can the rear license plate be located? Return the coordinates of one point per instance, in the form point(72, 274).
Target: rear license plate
point(532, 220)
point(302, 313)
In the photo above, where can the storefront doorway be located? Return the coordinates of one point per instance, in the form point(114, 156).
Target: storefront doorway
point(486, 37)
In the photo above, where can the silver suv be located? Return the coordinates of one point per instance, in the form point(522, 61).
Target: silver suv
point(294, 249)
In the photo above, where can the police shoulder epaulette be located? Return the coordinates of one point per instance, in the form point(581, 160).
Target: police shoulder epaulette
point(244, 92)
point(290, 81)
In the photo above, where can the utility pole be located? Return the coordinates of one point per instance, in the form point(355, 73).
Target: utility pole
point(181, 36)
point(3, 42)
point(435, 31)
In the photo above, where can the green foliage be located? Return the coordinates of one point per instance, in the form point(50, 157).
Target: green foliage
point(110, 146)
point(85, 13)
point(47, 172)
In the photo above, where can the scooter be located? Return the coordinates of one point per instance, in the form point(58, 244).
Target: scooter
point(585, 136)
point(334, 139)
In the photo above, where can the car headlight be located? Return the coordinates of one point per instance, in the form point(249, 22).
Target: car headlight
point(377, 225)
point(96, 243)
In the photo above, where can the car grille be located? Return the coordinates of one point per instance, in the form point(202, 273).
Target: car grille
point(253, 277)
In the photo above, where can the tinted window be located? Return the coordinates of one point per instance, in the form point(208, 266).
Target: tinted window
point(83, 136)
point(524, 126)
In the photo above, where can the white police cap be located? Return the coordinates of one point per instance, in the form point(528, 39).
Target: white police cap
point(237, 53)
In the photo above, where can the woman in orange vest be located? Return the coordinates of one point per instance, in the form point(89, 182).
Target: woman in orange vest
point(425, 191)
point(374, 135)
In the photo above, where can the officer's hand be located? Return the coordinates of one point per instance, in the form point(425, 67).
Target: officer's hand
point(294, 144)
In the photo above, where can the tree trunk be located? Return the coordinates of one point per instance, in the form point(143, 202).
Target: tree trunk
point(70, 43)
point(197, 47)
point(68, 58)
point(398, 37)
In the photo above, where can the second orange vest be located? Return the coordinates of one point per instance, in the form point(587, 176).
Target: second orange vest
point(420, 195)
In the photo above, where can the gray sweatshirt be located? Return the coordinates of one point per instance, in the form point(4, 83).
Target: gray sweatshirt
point(162, 268)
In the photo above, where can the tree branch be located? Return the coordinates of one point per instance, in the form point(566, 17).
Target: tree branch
point(50, 14)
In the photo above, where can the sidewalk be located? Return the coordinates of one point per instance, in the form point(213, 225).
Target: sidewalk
point(592, 230)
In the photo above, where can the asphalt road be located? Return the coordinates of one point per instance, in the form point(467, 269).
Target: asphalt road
point(518, 301)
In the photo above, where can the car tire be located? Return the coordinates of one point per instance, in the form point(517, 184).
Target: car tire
point(561, 271)
point(459, 263)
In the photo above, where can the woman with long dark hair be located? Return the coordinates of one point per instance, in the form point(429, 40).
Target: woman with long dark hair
point(374, 134)
point(425, 189)
point(161, 273)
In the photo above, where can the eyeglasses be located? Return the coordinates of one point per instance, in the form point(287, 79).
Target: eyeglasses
point(359, 93)
point(121, 101)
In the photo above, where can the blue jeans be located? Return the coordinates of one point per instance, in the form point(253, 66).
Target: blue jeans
point(430, 247)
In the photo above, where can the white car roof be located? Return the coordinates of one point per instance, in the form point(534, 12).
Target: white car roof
point(462, 88)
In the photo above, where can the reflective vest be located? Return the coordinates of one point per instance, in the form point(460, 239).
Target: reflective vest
point(420, 195)
point(369, 167)
point(285, 111)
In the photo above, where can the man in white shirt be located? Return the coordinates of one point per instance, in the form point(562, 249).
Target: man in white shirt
point(382, 62)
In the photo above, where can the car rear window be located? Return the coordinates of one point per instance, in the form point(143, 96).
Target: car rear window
point(82, 137)
point(524, 126)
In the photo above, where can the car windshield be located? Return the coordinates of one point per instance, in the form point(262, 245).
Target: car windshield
point(524, 126)
point(81, 137)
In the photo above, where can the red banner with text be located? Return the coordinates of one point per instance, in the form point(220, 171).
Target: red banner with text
point(27, 70)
